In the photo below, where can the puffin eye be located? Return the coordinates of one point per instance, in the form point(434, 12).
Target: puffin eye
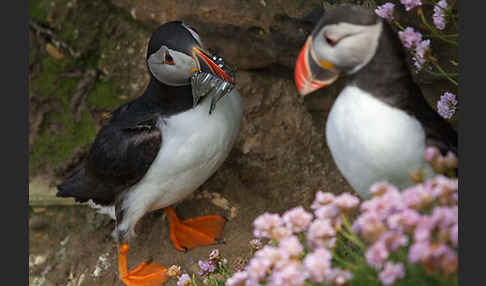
point(168, 59)
point(330, 41)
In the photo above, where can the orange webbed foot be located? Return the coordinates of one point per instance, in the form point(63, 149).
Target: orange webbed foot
point(193, 232)
point(148, 273)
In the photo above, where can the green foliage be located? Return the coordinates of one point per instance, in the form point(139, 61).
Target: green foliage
point(59, 136)
point(105, 95)
point(57, 147)
point(38, 10)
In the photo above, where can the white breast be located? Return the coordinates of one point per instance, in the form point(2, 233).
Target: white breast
point(371, 141)
point(194, 145)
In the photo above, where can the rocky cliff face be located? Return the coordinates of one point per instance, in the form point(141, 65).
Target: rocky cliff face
point(88, 57)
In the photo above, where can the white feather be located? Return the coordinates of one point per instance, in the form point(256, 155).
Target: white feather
point(194, 145)
point(107, 210)
point(371, 141)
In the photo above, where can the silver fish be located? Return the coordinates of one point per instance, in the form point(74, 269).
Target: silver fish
point(204, 84)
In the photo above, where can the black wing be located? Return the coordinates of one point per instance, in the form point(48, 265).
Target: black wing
point(120, 156)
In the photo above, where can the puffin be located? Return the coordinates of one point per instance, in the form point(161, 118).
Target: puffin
point(160, 147)
point(380, 124)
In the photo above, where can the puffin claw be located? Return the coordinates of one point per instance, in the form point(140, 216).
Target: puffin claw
point(149, 260)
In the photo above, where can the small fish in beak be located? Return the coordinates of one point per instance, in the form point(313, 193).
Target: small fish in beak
point(212, 77)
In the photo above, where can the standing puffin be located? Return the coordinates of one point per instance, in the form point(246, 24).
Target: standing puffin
point(380, 123)
point(160, 147)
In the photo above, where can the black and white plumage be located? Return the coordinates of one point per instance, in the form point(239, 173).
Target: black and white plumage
point(380, 124)
point(158, 148)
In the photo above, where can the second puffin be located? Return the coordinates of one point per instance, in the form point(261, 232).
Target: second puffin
point(160, 147)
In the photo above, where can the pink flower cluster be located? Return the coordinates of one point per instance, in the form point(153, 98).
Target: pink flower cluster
point(184, 280)
point(439, 14)
point(390, 217)
point(284, 264)
point(422, 219)
point(385, 11)
point(446, 106)
point(410, 4)
point(441, 164)
point(413, 40)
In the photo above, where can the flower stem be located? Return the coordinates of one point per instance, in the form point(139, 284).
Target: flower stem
point(399, 25)
point(445, 36)
point(440, 74)
point(420, 12)
point(348, 233)
point(437, 66)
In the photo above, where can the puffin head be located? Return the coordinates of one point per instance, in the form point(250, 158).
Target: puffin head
point(175, 52)
point(344, 41)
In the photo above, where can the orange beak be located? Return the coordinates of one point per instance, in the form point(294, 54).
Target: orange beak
point(202, 57)
point(310, 74)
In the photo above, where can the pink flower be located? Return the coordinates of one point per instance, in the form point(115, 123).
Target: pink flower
point(318, 264)
point(445, 217)
point(184, 280)
point(439, 15)
point(450, 160)
point(321, 234)
point(419, 251)
point(322, 199)
point(346, 201)
point(423, 230)
point(377, 254)
point(330, 211)
point(438, 250)
point(369, 225)
point(380, 188)
point(238, 279)
point(257, 269)
point(406, 219)
point(385, 204)
point(394, 240)
point(265, 223)
point(446, 185)
point(420, 49)
point(431, 153)
point(410, 4)
point(385, 11)
point(291, 245)
point(409, 37)
point(339, 276)
point(417, 196)
point(454, 236)
point(206, 267)
point(291, 274)
point(391, 272)
point(446, 106)
point(281, 232)
point(271, 257)
point(297, 219)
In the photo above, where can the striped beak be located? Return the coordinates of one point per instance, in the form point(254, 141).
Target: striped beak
point(310, 73)
point(205, 63)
